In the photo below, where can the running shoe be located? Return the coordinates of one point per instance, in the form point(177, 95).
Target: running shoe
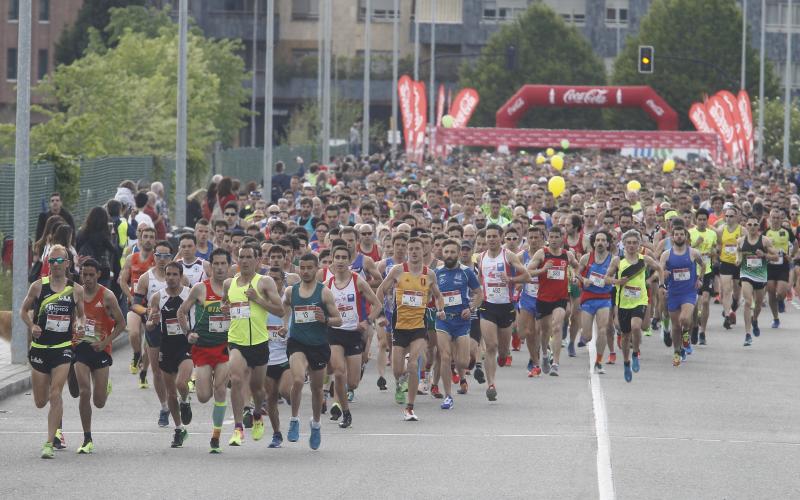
point(635, 362)
point(581, 342)
point(654, 323)
point(435, 392)
point(733, 314)
point(748, 340)
point(214, 446)
point(404, 383)
point(530, 365)
point(59, 442)
point(667, 337)
point(491, 393)
point(781, 306)
point(86, 449)
point(108, 388)
point(501, 361)
point(447, 403)
point(685, 339)
point(315, 438)
point(598, 369)
point(179, 437)
point(381, 383)
point(509, 359)
point(186, 413)
point(409, 415)
point(627, 372)
point(571, 350)
point(463, 386)
point(247, 417)
point(702, 340)
point(351, 395)
point(294, 430)
point(347, 420)
point(238, 436)
point(134, 367)
point(554, 370)
point(619, 340)
point(277, 440)
point(676, 359)
point(683, 354)
point(455, 378)
point(695, 334)
point(191, 385)
point(399, 396)
point(726, 323)
point(479, 376)
point(648, 332)
point(688, 349)
point(612, 358)
point(515, 342)
point(143, 383)
point(545, 364)
point(776, 323)
point(163, 418)
point(336, 411)
point(257, 432)
point(756, 329)
point(47, 450)
point(535, 371)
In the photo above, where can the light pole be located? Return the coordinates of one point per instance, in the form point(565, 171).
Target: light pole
point(744, 41)
point(19, 338)
point(254, 59)
point(395, 44)
point(180, 155)
point(268, 84)
point(326, 85)
point(760, 149)
point(432, 89)
point(787, 99)
point(416, 42)
point(367, 66)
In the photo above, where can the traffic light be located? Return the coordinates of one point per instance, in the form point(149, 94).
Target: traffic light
point(646, 53)
point(511, 58)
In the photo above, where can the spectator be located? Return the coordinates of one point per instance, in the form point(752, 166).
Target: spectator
point(125, 194)
point(119, 228)
point(138, 216)
point(94, 240)
point(194, 207)
point(42, 246)
point(158, 220)
point(162, 208)
point(56, 208)
point(355, 139)
point(280, 181)
point(64, 236)
point(225, 195)
point(210, 200)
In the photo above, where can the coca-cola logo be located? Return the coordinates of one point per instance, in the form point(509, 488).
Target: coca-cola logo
point(658, 110)
point(745, 115)
point(699, 119)
point(516, 106)
point(591, 96)
point(717, 112)
point(465, 108)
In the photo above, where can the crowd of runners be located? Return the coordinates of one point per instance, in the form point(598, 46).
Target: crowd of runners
point(435, 273)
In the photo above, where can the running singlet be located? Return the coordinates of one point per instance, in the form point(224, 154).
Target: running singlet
point(753, 267)
point(248, 319)
point(781, 239)
point(681, 274)
point(139, 267)
point(411, 295)
point(729, 244)
point(455, 285)
point(54, 315)
point(303, 324)
point(211, 325)
point(577, 249)
point(171, 331)
point(494, 271)
point(634, 293)
point(530, 289)
point(374, 254)
point(205, 255)
point(706, 247)
point(553, 283)
point(277, 343)
point(194, 272)
point(348, 302)
point(99, 324)
point(154, 284)
point(596, 273)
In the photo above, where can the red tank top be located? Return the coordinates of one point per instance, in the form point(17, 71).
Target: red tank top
point(211, 296)
point(373, 254)
point(98, 317)
point(578, 249)
point(139, 267)
point(553, 284)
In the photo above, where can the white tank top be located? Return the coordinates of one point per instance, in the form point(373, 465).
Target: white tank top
point(194, 272)
point(154, 284)
point(347, 302)
point(494, 272)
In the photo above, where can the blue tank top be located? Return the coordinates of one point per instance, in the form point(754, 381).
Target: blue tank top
point(207, 254)
point(596, 271)
point(682, 274)
point(303, 327)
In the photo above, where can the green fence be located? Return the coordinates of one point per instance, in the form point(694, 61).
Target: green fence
point(42, 182)
point(246, 164)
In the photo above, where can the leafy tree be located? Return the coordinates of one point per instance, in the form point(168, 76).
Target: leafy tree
point(698, 47)
point(547, 51)
point(773, 128)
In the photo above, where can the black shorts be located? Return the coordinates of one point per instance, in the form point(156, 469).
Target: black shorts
point(44, 360)
point(351, 341)
point(430, 319)
point(502, 315)
point(275, 372)
point(170, 357)
point(625, 315)
point(404, 338)
point(544, 309)
point(91, 358)
point(254, 355)
point(728, 269)
point(778, 272)
point(153, 337)
point(755, 284)
point(317, 356)
point(708, 284)
point(475, 330)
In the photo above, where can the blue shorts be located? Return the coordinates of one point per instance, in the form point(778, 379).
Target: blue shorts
point(591, 306)
point(674, 302)
point(527, 303)
point(455, 327)
point(389, 317)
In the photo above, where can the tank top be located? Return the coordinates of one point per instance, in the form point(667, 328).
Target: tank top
point(358, 266)
point(707, 246)
point(99, 324)
point(211, 325)
point(54, 315)
point(139, 267)
point(207, 254)
point(277, 344)
point(780, 239)
point(374, 253)
point(154, 284)
point(348, 302)
point(553, 284)
point(194, 272)
point(530, 289)
point(494, 271)
point(171, 332)
point(411, 294)
point(303, 325)
point(681, 274)
point(596, 272)
point(729, 244)
point(248, 319)
point(634, 293)
point(753, 268)
point(578, 249)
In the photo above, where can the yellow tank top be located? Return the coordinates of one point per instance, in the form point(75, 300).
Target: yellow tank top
point(634, 293)
point(780, 239)
point(729, 243)
point(411, 297)
point(248, 319)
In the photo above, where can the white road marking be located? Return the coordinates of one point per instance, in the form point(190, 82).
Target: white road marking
point(605, 476)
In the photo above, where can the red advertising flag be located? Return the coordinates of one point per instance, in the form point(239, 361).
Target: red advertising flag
point(699, 117)
point(463, 106)
point(746, 114)
point(440, 106)
point(726, 129)
point(733, 108)
point(420, 119)
point(405, 92)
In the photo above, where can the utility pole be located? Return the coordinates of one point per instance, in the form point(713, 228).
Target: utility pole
point(326, 85)
point(761, 56)
point(787, 99)
point(268, 89)
point(744, 41)
point(432, 89)
point(367, 66)
point(416, 42)
point(180, 156)
point(395, 45)
point(254, 59)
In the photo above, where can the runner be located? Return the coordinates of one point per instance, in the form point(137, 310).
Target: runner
point(195, 269)
point(596, 294)
point(209, 339)
point(729, 235)
point(204, 246)
point(56, 304)
point(136, 265)
point(104, 322)
point(705, 241)
point(399, 256)
point(312, 309)
point(782, 236)
point(527, 326)
point(578, 243)
point(754, 251)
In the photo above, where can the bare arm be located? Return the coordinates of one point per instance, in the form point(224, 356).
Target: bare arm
point(523, 276)
point(334, 319)
point(372, 299)
point(124, 276)
point(154, 312)
point(388, 282)
point(112, 308)
point(27, 304)
point(196, 295)
point(80, 315)
point(268, 298)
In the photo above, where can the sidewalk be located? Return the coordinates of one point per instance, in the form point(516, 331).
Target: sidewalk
point(15, 379)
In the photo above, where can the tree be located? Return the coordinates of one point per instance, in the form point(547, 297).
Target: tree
point(93, 14)
point(773, 128)
point(547, 51)
point(698, 47)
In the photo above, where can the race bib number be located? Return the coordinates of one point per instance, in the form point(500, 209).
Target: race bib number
point(89, 331)
point(779, 261)
point(218, 324)
point(556, 273)
point(347, 313)
point(57, 323)
point(134, 286)
point(452, 298)
point(497, 292)
point(597, 280)
point(274, 336)
point(532, 289)
point(681, 274)
point(412, 298)
point(632, 292)
point(753, 261)
point(729, 249)
point(305, 314)
point(173, 328)
point(240, 310)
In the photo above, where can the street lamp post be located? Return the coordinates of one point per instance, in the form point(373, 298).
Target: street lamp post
point(180, 155)
point(432, 89)
point(787, 103)
point(761, 57)
point(268, 89)
point(395, 45)
point(367, 66)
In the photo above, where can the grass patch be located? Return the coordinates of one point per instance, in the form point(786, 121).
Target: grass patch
point(5, 291)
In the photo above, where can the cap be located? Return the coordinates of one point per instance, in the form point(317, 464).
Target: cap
point(466, 244)
point(307, 184)
point(670, 214)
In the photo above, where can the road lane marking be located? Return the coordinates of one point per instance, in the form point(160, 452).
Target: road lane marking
point(605, 476)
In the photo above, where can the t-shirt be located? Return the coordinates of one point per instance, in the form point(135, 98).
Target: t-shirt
point(455, 285)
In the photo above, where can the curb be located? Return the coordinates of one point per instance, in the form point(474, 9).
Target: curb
point(21, 381)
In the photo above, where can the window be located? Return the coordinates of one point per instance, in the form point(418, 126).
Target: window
point(503, 10)
point(445, 11)
point(44, 11)
point(614, 16)
point(13, 10)
point(305, 9)
point(776, 15)
point(44, 64)
point(611, 15)
point(236, 5)
point(298, 55)
point(780, 70)
point(382, 10)
point(11, 65)
point(623, 15)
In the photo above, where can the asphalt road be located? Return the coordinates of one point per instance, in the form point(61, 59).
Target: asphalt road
point(722, 425)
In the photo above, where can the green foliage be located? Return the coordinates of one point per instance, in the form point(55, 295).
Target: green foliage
point(6, 287)
point(773, 128)
point(305, 127)
point(548, 51)
point(67, 171)
point(707, 31)
point(7, 142)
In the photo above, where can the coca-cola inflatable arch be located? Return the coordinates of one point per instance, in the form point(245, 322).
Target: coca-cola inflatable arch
point(640, 96)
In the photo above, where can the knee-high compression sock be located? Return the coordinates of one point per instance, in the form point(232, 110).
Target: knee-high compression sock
point(217, 416)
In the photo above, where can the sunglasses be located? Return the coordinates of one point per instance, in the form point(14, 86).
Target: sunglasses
point(366, 233)
point(511, 238)
point(230, 213)
point(274, 213)
point(56, 260)
point(752, 224)
point(160, 255)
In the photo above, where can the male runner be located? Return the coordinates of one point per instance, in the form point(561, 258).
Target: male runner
point(136, 265)
point(596, 294)
point(195, 269)
point(727, 243)
point(754, 250)
point(578, 243)
point(527, 326)
point(204, 246)
point(705, 241)
point(782, 236)
point(399, 256)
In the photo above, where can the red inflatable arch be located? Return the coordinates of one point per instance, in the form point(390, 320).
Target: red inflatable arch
point(570, 96)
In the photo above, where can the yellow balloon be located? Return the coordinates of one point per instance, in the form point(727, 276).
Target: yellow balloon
point(669, 165)
point(557, 162)
point(448, 121)
point(550, 152)
point(540, 159)
point(634, 186)
point(556, 185)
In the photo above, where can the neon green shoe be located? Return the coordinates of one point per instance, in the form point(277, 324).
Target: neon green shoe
point(47, 450)
point(108, 388)
point(399, 395)
point(215, 449)
point(236, 439)
point(191, 385)
point(86, 449)
point(258, 429)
